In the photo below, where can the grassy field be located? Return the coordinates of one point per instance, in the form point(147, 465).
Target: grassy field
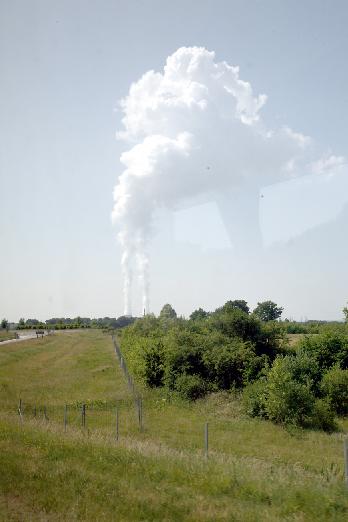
point(255, 470)
point(4, 336)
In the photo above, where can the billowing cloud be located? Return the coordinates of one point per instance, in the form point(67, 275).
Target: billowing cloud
point(194, 128)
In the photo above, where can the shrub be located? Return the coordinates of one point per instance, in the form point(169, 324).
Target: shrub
point(295, 328)
point(322, 417)
point(254, 399)
point(328, 349)
point(288, 401)
point(304, 369)
point(190, 387)
point(183, 359)
point(287, 396)
point(236, 323)
point(226, 364)
point(153, 367)
point(335, 388)
point(271, 340)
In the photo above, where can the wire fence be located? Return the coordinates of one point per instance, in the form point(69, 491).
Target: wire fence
point(138, 400)
point(108, 416)
point(124, 414)
point(120, 415)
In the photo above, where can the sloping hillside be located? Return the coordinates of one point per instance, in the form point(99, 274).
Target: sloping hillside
point(254, 470)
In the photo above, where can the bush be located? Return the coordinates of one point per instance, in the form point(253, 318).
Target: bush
point(295, 328)
point(153, 367)
point(236, 323)
point(322, 417)
point(328, 349)
point(288, 401)
point(227, 364)
point(184, 356)
point(287, 396)
point(254, 399)
point(335, 388)
point(271, 340)
point(190, 387)
point(304, 369)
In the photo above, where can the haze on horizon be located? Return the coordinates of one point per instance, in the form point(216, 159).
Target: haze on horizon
point(65, 68)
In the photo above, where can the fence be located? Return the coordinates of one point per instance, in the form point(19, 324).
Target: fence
point(117, 415)
point(138, 400)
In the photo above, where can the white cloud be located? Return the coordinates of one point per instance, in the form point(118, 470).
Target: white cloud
point(196, 128)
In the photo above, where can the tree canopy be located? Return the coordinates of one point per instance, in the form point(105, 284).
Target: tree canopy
point(268, 311)
point(168, 312)
point(237, 304)
point(4, 324)
point(198, 314)
point(345, 311)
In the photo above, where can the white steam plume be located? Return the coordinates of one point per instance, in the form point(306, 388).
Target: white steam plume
point(196, 128)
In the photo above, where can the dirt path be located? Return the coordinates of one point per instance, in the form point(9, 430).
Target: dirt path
point(21, 338)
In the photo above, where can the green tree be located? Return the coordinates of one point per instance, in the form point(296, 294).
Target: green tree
point(4, 324)
point(235, 323)
point(288, 400)
point(268, 311)
point(123, 321)
point(327, 349)
point(226, 364)
point(198, 314)
point(168, 312)
point(153, 366)
point(335, 388)
point(191, 387)
point(238, 304)
point(345, 311)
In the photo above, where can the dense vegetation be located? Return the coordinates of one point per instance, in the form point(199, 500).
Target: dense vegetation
point(256, 470)
point(67, 323)
point(231, 349)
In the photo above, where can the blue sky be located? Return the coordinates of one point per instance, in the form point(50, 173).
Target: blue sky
point(64, 67)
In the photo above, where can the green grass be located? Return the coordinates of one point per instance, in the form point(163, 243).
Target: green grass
point(4, 335)
point(255, 470)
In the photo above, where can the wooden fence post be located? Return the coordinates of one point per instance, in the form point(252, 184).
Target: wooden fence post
point(141, 414)
point(139, 403)
point(65, 417)
point(20, 410)
point(206, 439)
point(83, 416)
point(116, 423)
point(345, 449)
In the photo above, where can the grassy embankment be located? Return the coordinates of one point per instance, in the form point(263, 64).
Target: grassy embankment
point(255, 470)
point(4, 335)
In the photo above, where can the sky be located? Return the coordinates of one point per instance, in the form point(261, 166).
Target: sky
point(64, 67)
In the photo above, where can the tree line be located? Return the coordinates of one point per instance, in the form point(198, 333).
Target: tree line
point(248, 353)
point(265, 310)
point(62, 323)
